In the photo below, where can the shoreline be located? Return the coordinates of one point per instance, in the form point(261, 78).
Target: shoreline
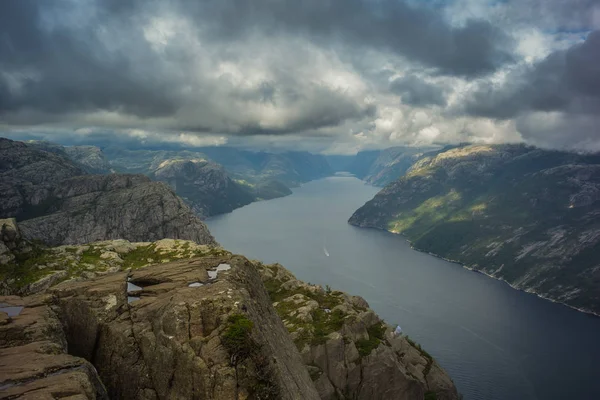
point(479, 271)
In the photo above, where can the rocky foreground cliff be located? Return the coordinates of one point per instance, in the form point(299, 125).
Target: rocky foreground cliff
point(174, 319)
point(528, 216)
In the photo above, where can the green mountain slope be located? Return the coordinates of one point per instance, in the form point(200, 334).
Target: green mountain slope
point(528, 216)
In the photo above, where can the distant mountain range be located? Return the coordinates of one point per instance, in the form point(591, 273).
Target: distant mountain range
point(212, 180)
point(528, 216)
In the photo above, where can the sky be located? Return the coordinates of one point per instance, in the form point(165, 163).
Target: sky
point(328, 76)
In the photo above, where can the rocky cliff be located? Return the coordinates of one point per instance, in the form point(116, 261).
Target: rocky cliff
point(27, 176)
point(57, 203)
point(528, 216)
point(203, 185)
point(98, 207)
point(198, 328)
point(174, 319)
point(349, 351)
point(34, 363)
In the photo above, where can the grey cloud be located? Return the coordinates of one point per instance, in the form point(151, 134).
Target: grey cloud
point(570, 15)
point(565, 81)
point(418, 33)
point(415, 91)
point(62, 69)
point(53, 64)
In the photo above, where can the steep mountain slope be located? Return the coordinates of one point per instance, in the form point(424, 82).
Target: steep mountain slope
point(528, 216)
point(204, 186)
point(174, 319)
point(57, 203)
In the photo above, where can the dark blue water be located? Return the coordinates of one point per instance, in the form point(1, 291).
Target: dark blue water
point(494, 341)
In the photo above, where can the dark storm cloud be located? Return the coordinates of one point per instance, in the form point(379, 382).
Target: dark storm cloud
point(100, 60)
point(558, 15)
point(415, 91)
point(566, 81)
point(418, 33)
point(58, 69)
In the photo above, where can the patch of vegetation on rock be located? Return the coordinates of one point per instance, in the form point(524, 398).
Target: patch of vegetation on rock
point(237, 337)
point(376, 335)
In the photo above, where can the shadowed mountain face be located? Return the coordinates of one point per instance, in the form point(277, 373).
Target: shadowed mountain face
point(521, 214)
point(378, 167)
point(57, 203)
point(216, 180)
point(205, 186)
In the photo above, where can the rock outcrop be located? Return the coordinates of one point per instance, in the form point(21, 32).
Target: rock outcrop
point(528, 216)
point(27, 176)
point(174, 319)
point(350, 352)
point(56, 203)
point(100, 207)
point(34, 363)
point(197, 328)
point(12, 244)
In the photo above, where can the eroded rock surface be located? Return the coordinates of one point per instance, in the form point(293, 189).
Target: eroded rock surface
point(102, 207)
point(349, 351)
point(173, 319)
point(173, 341)
point(33, 359)
point(56, 202)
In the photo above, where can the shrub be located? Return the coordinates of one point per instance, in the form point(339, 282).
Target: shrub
point(237, 337)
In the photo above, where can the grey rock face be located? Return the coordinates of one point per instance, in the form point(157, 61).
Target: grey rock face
point(35, 363)
point(90, 158)
point(57, 203)
point(348, 350)
point(101, 207)
point(12, 243)
point(171, 343)
point(27, 175)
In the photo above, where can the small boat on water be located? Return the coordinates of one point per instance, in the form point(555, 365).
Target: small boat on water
point(325, 251)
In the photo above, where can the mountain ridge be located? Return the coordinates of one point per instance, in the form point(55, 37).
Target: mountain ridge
point(517, 213)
